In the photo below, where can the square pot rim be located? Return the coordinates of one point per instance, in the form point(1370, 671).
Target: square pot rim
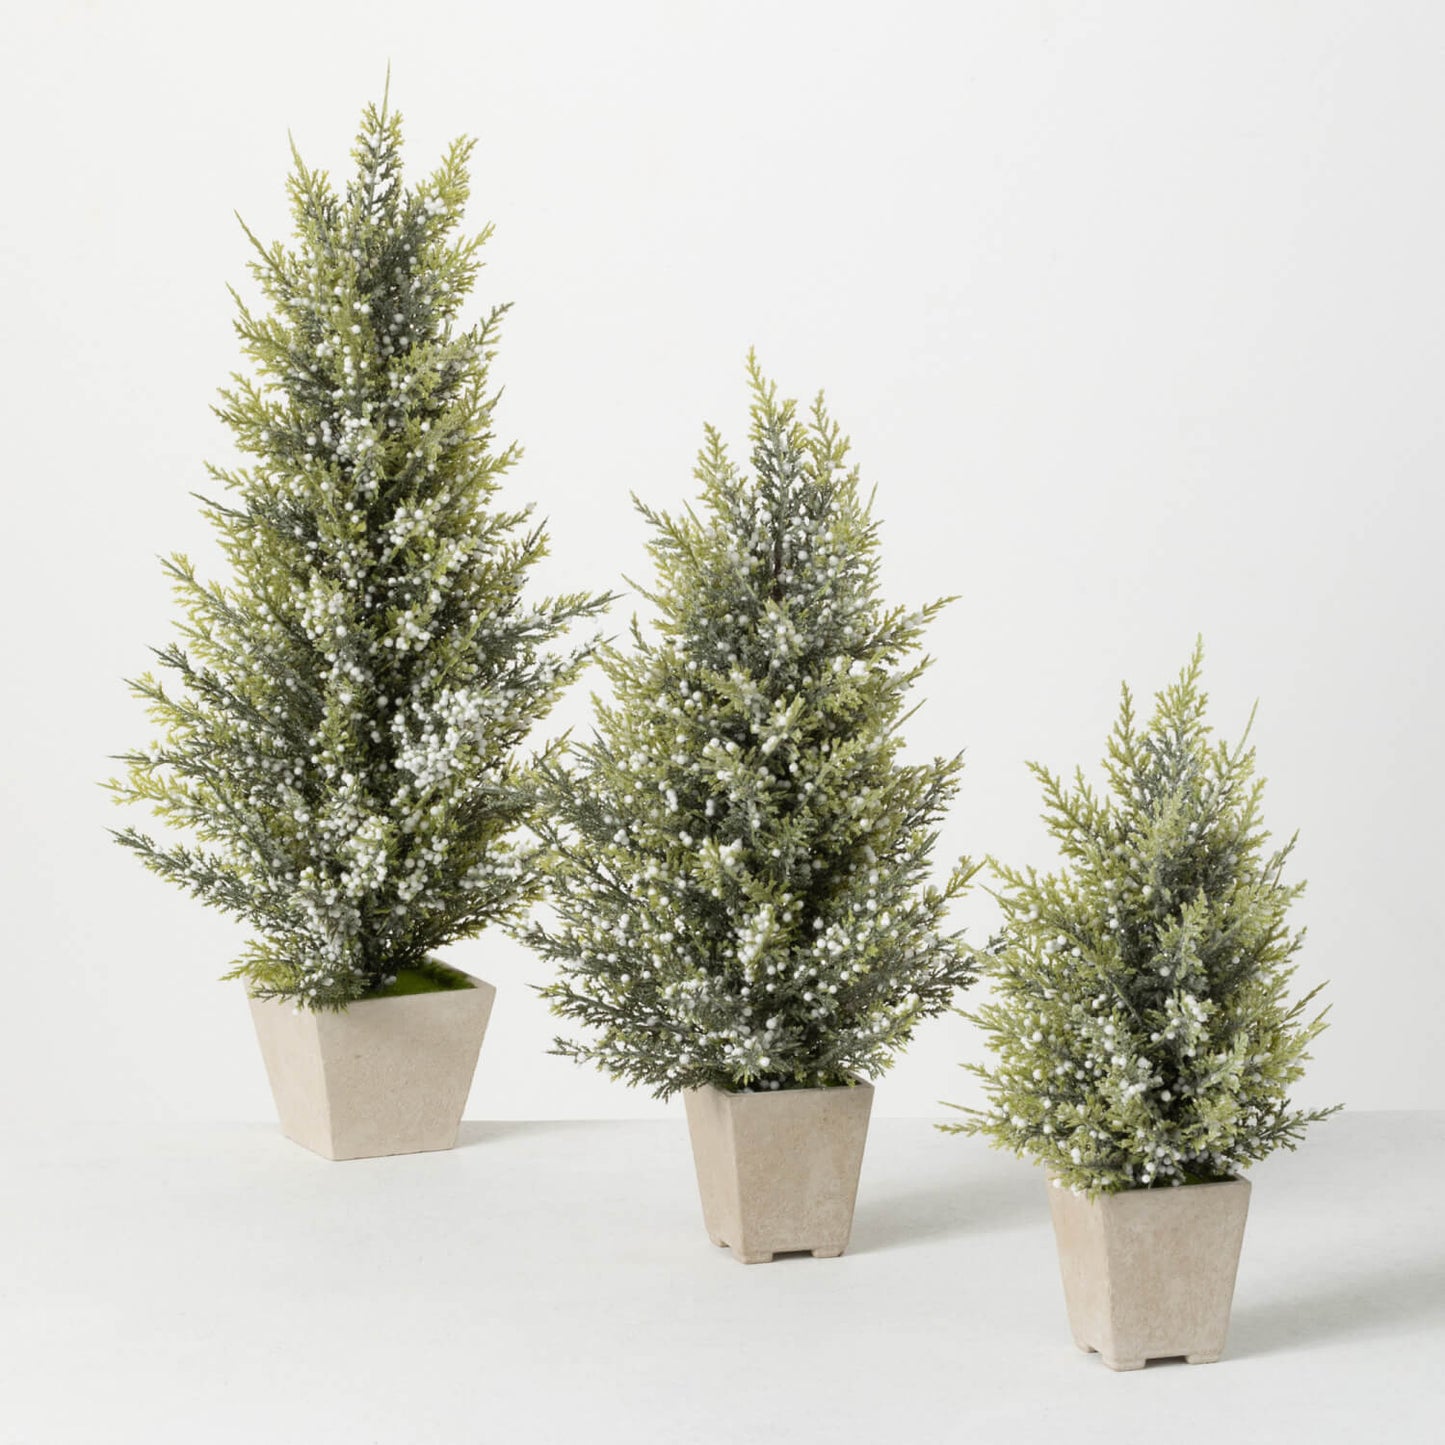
point(856, 1086)
point(478, 985)
point(1166, 1191)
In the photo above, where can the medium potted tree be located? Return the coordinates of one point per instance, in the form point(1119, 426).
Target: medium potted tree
point(1146, 1043)
point(341, 738)
point(739, 859)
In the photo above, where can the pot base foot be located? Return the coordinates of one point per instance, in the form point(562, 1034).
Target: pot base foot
point(1201, 1359)
point(766, 1257)
point(1122, 1365)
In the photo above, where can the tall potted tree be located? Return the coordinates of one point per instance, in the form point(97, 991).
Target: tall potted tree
point(341, 740)
point(1146, 1043)
point(739, 859)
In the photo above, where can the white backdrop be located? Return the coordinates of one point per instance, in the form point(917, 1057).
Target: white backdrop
point(1135, 313)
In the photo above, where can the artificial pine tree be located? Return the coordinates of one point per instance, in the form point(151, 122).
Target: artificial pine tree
point(1141, 1016)
point(739, 858)
point(342, 740)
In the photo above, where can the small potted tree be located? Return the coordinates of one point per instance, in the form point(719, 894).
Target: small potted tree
point(340, 741)
point(1146, 1042)
point(739, 859)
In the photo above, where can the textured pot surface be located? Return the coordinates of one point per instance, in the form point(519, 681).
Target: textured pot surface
point(387, 1076)
point(778, 1171)
point(1149, 1273)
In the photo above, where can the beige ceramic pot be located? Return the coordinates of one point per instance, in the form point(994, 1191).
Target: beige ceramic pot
point(778, 1171)
point(1149, 1273)
point(386, 1076)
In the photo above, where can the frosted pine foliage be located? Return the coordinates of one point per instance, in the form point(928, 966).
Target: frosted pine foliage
point(741, 857)
point(1141, 1019)
point(341, 735)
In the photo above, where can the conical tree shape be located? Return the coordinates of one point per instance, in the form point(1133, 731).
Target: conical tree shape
point(740, 857)
point(341, 738)
point(1141, 1015)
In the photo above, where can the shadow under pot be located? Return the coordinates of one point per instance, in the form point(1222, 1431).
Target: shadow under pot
point(1149, 1273)
point(778, 1170)
point(385, 1076)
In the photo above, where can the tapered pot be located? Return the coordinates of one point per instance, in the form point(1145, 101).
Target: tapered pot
point(778, 1171)
point(1149, 1273)
point(386, 1076)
